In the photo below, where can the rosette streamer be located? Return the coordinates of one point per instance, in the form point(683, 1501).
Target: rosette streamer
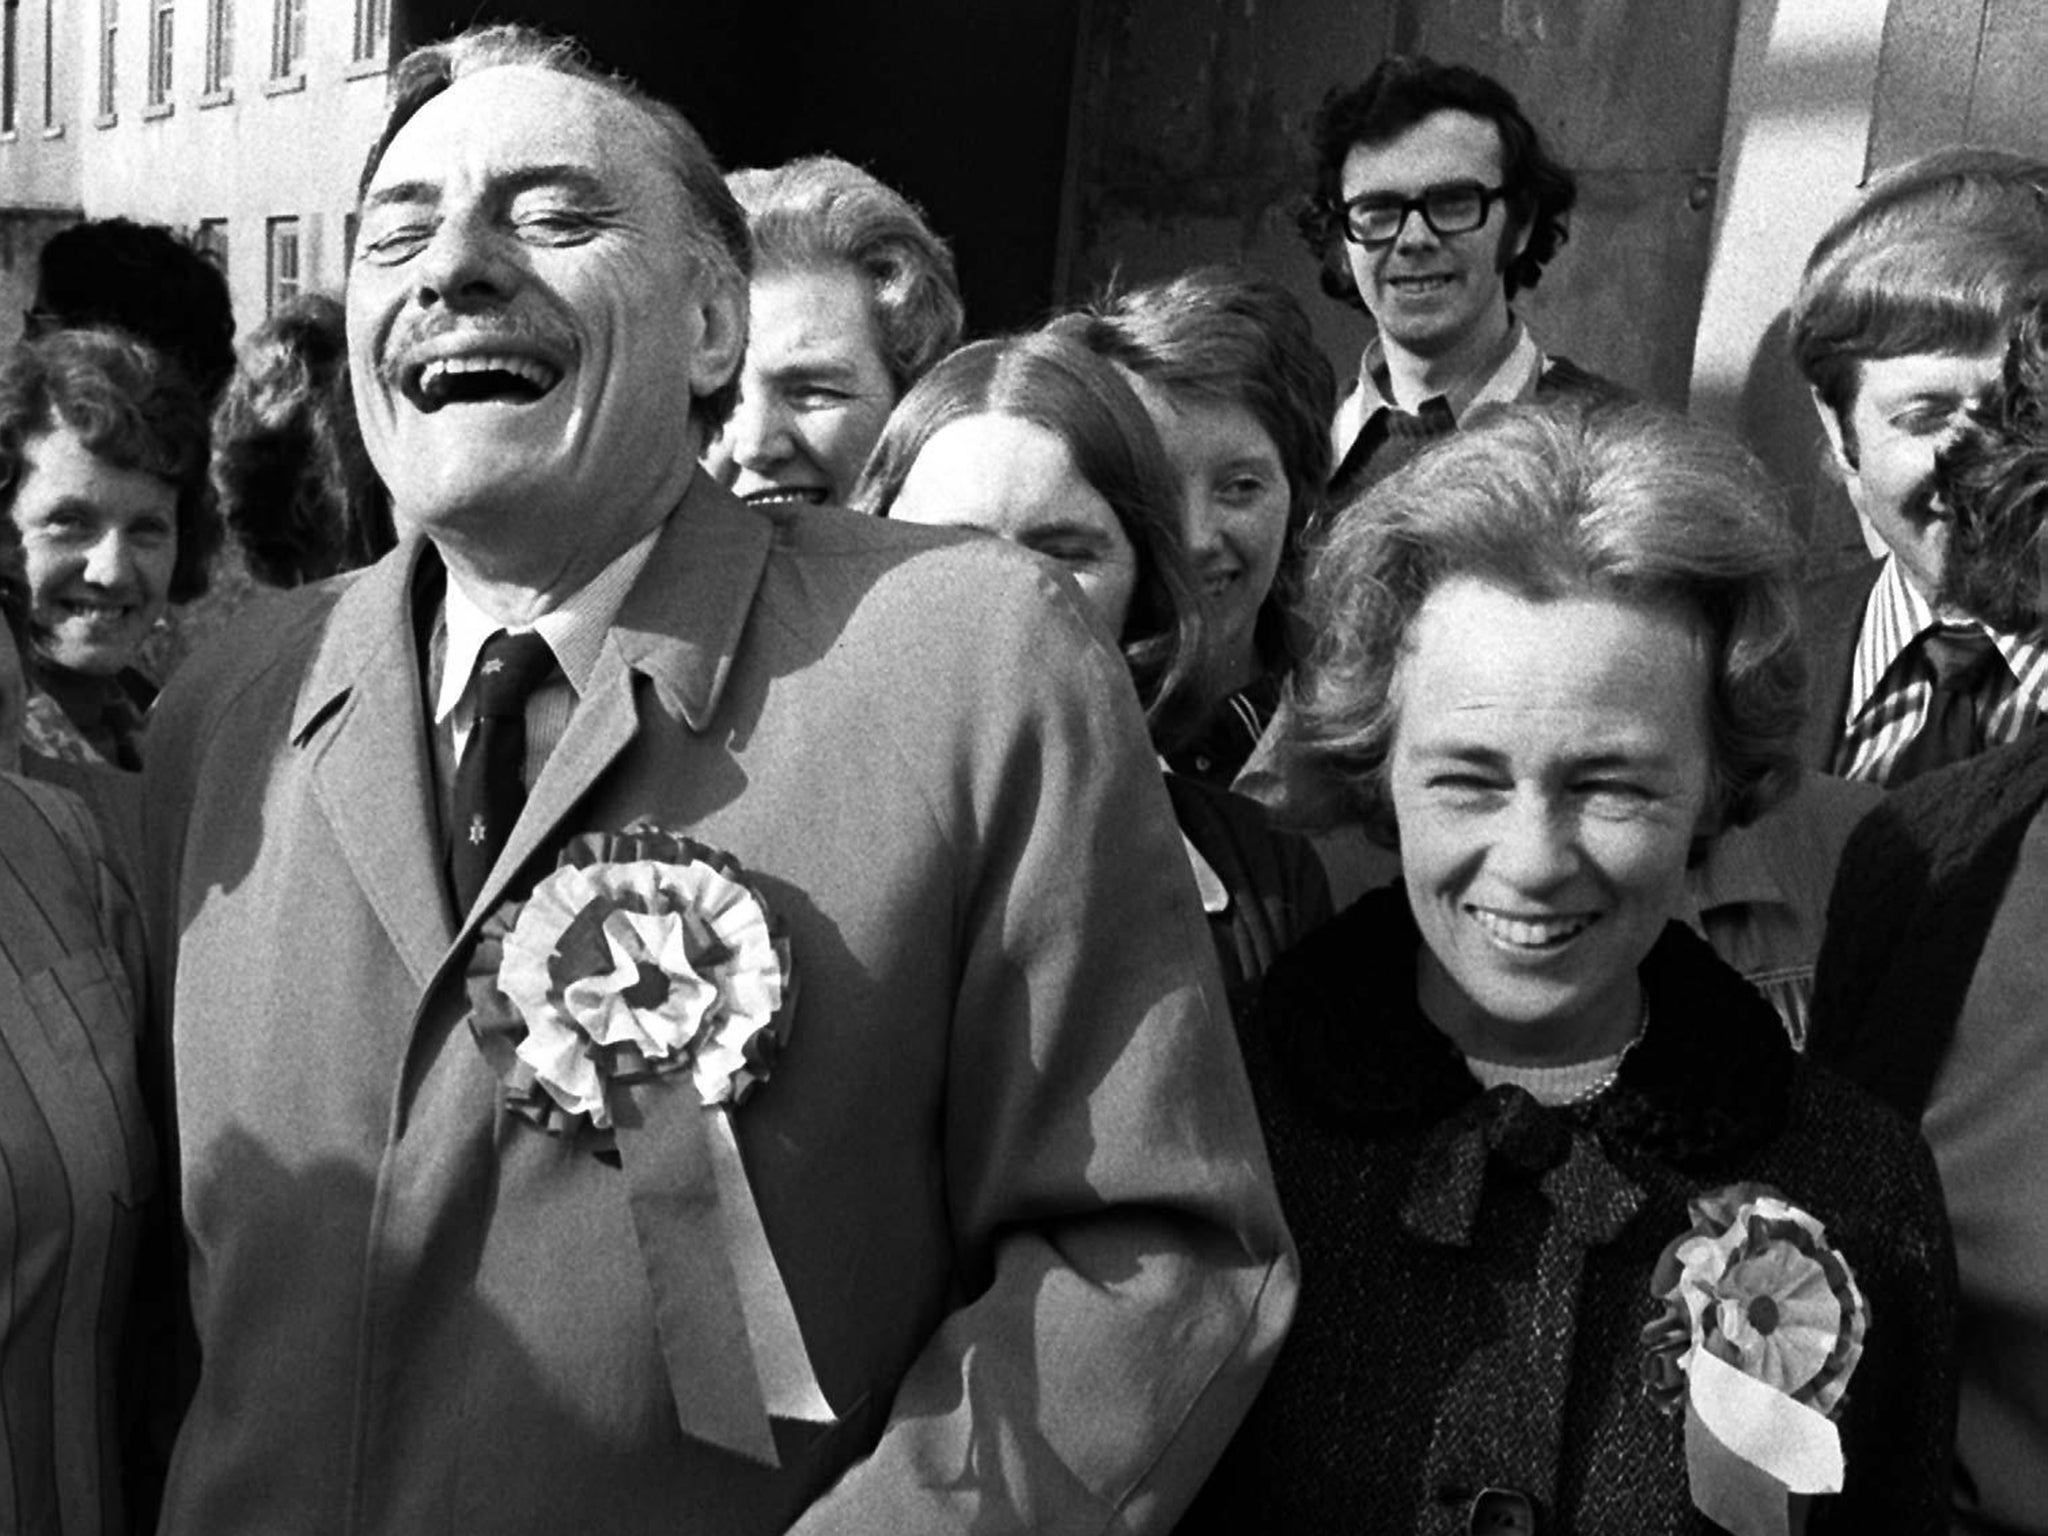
point(638, 996)
point(1761, 1328)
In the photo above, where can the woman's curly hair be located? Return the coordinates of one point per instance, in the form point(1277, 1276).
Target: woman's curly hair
point(1551, 501)
point(295, 482)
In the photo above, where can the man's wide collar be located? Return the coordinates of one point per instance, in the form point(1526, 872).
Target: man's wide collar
point(680, 624)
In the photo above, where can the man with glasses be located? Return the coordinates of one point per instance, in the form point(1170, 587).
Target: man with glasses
point(1899, 324)
point(1433, 187)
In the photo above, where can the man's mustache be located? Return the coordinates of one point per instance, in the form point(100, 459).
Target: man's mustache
point(474, 331)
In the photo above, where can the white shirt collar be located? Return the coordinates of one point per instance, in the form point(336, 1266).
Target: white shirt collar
point(1512, 378)
point(574, 629)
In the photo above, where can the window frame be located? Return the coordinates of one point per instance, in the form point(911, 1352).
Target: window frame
point(110, 74)
point(373, 32)
point(10, 66)
point(220, 47)
point(281, 232)
point(288, 39)
point(210, 239)
point(163, 35)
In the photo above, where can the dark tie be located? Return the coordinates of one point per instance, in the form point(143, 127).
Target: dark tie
point(121, 723)
point(1963, 661)
point(489, 787)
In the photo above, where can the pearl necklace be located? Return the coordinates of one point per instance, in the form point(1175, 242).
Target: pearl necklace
point(1610, 1073)
point(1554, 1087)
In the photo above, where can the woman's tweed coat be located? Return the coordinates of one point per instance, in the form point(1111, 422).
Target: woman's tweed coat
point(1475, 1267)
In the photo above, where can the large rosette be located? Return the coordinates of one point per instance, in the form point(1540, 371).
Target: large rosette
point(642, 954)
point(1761, 1327)
point(637, 998)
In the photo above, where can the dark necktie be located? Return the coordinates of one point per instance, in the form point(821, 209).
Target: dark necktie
point(1963, 661)
point(489, 787)
point(121, 725)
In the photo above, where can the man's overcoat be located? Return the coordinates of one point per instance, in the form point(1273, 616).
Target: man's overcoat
point(1007, 1164)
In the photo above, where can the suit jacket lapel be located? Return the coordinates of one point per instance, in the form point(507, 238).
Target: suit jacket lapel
point(1832, 613)
point(361, 720)
point(679, 627)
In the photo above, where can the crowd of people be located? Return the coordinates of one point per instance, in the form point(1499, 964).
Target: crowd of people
point(738, 913)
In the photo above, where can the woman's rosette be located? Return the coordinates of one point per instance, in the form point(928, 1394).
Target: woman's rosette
point(1761, 1328)
point(643, 954)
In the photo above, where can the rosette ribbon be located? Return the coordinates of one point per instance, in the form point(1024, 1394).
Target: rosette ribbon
point(637, 998)
point(1762, 1326)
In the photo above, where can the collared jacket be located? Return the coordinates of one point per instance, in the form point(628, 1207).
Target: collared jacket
point(78, 1159)
point(1476, 1268)
point(1006, 1166)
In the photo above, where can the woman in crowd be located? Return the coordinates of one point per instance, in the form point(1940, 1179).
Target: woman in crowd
point(1228, 368)
point(296, 487)
point(1039, 441)
point(103, 473)
point(73, 1140)
point(1553, 657)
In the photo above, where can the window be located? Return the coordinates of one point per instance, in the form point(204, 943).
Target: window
point(161, 15)
point(10, 61)
point(282, 279)
point(210, 240)
point(220, 45)
point(110, 28)
point(49, 64)
point(287, 38)
point(373, 30)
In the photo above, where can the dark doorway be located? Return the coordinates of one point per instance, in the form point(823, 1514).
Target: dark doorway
point(961, 104)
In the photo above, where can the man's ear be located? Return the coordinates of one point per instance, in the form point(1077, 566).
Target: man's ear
point(721, 336)
point(1841, 446)
point(1520, 243)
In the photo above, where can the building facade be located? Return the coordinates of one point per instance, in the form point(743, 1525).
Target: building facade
point(242, 123)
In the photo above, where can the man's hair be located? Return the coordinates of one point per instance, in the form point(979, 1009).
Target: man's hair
point(1939, 255)
point(821, 212)
point(1401, 92)
point(295, 483)
point(127, 405)
point(1056, 383)
point(715, 227)
point(1555, 501)
point(145, 280)
point(1229, 337)
point(1993, 479)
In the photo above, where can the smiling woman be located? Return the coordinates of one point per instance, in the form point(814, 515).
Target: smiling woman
point(1227, 365)
point(103, 450)
point(1037, 440)
point(853, 300)
point(1554, 657)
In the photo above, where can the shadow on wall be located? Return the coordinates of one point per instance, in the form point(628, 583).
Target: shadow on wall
point(1776, 419)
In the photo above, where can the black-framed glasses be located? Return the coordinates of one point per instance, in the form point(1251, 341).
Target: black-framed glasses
point(1449, 208)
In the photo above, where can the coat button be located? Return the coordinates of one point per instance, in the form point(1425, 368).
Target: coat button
point(1502, 1512)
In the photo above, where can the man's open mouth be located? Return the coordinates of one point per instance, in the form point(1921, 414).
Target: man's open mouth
point(481, 378)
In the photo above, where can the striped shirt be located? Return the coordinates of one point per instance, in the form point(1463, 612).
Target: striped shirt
point(1891, 682)
point(76, 1162)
